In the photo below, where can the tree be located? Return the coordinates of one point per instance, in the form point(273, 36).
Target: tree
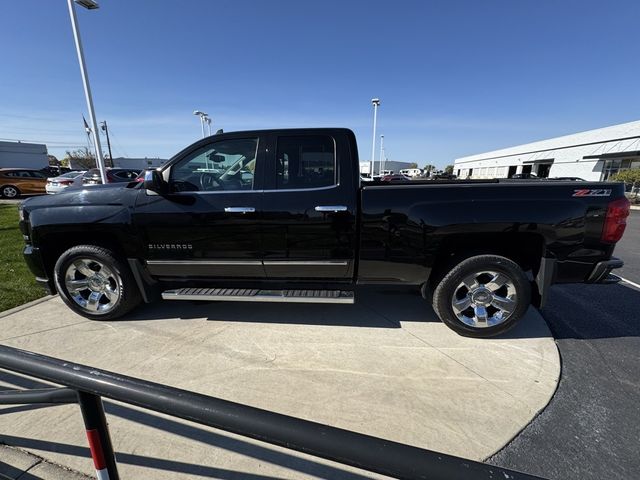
point(627, 176)
point(81, 158)
point(413, 165)
point(448, 169)
point(428, 168)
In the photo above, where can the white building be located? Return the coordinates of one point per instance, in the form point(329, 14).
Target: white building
point(23, 155)
point(592, 155)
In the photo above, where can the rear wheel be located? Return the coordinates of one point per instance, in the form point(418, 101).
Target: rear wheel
point(9, 191)
point(482, 296)
point(94, 283)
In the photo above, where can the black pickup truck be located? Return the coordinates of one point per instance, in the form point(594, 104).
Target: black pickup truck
point(282, 215)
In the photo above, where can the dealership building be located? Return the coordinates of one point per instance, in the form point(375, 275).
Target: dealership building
point(592, 155)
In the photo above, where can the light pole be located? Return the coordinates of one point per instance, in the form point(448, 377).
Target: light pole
point(208, 120)
point(376, 103)
point(381, 153)
point(89, 5)
point(202, 116)
point(105, 129)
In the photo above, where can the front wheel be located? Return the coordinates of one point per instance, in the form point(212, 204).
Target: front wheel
point(9, 191)
point(94, 283)
point(482, 296)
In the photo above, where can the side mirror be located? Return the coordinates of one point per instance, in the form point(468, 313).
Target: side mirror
point(153, 181)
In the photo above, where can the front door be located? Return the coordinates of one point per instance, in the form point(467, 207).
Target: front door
point(309, 227)
point(208, 225)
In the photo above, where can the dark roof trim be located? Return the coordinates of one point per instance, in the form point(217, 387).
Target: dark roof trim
point(633, 153)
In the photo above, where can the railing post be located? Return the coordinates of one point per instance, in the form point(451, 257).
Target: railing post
point(95, 422)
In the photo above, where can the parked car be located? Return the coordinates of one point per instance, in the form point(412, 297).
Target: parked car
point(411, 172)
point(395, 178)
point(21, 181)
point(114, 175)
point(525, 176)
point(305, 230)
point(59, 183)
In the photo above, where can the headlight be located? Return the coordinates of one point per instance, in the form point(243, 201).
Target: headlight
point(21, 212)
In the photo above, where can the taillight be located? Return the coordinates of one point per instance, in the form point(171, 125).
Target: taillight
point(66, 182)
point(616, 220)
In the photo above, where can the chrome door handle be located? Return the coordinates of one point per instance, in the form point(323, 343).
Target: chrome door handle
point(239, 209)
point(331, 208)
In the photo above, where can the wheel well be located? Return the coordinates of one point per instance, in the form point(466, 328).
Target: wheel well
point(55, 245)
point(9, 185)
point(524, 249)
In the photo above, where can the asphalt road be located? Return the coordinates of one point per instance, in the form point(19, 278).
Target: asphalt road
point(591, 427)
point(628, 249)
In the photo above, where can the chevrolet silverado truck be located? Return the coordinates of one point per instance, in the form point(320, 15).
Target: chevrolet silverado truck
point(282, 216)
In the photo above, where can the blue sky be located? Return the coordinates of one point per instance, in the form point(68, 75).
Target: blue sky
point(455, 77)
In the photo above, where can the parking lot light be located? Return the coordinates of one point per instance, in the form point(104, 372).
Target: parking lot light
point(90, 5)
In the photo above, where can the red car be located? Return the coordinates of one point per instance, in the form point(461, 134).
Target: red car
point(395, 178)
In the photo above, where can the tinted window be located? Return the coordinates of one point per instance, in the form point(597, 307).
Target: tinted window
point(37, 174)
point(223, 165)
point(127, 174)
point(18, 173)
point(305, 162)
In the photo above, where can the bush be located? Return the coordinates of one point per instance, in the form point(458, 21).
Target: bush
point(627, 176)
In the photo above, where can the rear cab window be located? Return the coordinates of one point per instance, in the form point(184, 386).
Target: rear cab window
point(305, 161)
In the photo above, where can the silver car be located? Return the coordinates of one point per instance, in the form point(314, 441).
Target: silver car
point(59, 183)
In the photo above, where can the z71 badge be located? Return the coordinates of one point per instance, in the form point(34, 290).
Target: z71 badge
point(592, 192)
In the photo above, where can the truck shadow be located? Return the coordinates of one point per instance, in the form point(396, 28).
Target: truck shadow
point(375, 308)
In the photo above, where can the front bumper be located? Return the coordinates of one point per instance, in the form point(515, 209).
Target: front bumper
point(34, 261)
point(600, 273)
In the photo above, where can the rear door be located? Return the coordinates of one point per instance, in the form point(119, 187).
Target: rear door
point(309, 223)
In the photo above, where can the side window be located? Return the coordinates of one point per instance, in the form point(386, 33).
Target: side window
point(307, 161)
point(37, 174)
point(218, 166)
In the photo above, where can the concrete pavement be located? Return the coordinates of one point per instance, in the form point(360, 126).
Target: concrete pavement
point(383, 367)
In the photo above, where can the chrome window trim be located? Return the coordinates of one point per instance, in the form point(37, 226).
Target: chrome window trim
point(285, 190)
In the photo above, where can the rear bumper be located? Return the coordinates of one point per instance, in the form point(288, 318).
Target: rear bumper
point(600, 273)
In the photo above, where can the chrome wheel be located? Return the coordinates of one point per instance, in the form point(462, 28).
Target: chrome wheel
point(9, 192)
point(484, 299)
point(92, 285)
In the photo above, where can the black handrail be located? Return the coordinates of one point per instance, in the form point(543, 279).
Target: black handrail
point(343, 446)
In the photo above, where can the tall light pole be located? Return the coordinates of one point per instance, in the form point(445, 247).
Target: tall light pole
point(381, 153)
point(376, 103)
point(89, 5)
point(208, 120)
point(202, 116)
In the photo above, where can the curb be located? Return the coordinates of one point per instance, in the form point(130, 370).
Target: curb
point(19, 308)
point(18, 464)
point(635, 207)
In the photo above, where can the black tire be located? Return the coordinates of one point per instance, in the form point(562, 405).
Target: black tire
point(111, 290)
point(483, 297)
point(9, 191)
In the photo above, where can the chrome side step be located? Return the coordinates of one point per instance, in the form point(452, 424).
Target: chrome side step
point(255, 295)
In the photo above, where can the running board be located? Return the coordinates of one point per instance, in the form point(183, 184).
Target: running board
point(255, 295)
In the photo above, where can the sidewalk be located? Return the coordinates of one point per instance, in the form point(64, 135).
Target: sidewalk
point(383, 367)
point(16, 464)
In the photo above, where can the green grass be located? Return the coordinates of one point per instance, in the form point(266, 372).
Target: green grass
point(17, 283)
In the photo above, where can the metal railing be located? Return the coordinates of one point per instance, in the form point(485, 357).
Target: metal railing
point(86, 386)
